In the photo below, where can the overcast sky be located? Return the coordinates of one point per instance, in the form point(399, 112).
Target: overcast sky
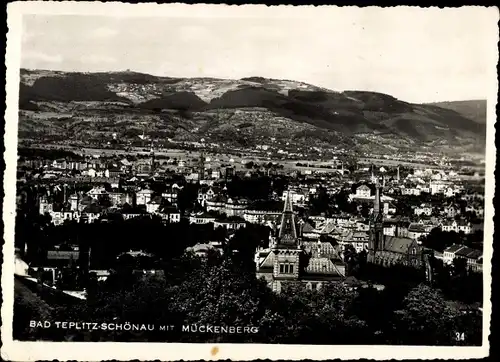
point(417, 55)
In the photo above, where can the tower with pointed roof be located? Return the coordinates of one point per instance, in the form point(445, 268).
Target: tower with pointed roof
point(287, 247)
point(376, 242)
point(152, 158)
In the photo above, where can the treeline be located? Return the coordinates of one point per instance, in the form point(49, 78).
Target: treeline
point(256, 188)
point(439, 240)
point(324, 203)
point(50, 154)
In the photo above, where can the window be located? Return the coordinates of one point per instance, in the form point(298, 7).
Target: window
point(286, 268)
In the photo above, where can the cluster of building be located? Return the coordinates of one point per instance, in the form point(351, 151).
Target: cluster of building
point(122, 187)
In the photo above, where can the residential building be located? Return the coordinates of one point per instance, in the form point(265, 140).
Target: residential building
point(363, 191)
point(202, 218)
point(143, 196)
point(423, 209)
point(460, 226)
point(473, 257)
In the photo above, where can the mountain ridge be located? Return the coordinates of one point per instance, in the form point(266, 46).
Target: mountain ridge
point(284, 108)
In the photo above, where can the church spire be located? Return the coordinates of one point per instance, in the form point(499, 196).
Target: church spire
point(376, 202)
point(288, 231)
point(288, 203)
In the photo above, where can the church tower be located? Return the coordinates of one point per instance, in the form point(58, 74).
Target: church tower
point(201, 166)
point(287, 248)
point(152, 158)
point(376, 242)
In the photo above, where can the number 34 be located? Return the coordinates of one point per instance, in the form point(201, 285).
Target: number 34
point(459, 336)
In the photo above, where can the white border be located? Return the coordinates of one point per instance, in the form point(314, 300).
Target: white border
point(31, 351)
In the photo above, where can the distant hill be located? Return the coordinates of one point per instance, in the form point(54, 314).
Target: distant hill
point(95, 104)
point(474, 109)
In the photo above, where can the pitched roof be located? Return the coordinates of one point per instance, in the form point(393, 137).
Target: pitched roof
point(322, 266)
point(414, 227)
point(454, 248)
point(328, 227)
point(364, 188)
point(266, 260)
point(398, 245)
point(321, 249)
point(307, 228)
point(469, 253)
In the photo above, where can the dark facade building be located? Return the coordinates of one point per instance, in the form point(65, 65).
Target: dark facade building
point(387, 250)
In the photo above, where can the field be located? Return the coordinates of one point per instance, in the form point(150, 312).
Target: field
point(395, 163)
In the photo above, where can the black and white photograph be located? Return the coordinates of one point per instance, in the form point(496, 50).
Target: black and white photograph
point(231, 180)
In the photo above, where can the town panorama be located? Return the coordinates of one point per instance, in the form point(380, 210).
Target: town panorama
point(252, 210)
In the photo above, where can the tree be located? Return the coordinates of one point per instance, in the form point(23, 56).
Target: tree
point(439, 240)
point(424, 319)
point(459, 267)
point(322, 316)
point(245, 241)
point(221, 294)
point(365, 210)
point(320, 202)
point(351, 258)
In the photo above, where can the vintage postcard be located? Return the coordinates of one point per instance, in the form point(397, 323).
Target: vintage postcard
point(188, 182)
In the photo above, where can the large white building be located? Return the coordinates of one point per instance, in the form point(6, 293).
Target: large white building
point(457, 227)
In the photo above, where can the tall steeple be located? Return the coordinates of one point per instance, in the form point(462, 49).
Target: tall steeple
point(376, 224)
point(152, 155)
point(201, 165)
point(376, 201)
point(288, 231)
point(287, 249)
